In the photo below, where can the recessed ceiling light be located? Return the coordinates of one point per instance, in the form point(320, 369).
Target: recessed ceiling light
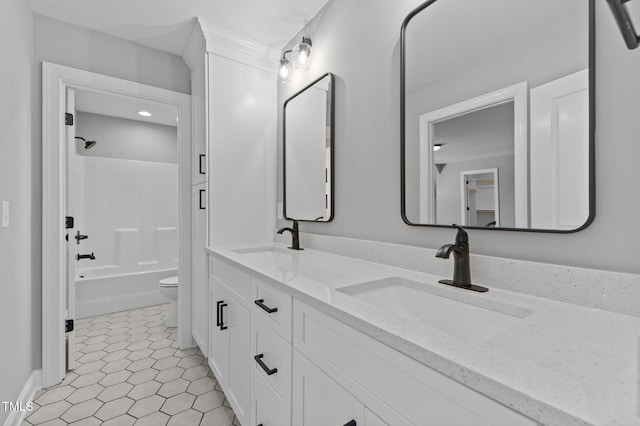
point(144, 113)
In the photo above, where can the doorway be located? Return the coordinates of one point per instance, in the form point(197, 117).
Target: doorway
point(60, 84)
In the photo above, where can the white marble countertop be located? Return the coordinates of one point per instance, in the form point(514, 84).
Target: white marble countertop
point(563, 365)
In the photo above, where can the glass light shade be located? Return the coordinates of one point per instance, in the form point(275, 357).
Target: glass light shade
point(284, 75)
point(301, 54)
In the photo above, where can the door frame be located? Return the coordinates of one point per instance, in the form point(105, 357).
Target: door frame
point(518, 94)
point(55, 81)
point(464, 194)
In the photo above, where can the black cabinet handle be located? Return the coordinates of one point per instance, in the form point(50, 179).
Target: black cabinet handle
point(218, 313)
point(222, 326)
point(202, 207)
point(260, 302)
point(266, 369)
point(202, 156)
point(351, 423)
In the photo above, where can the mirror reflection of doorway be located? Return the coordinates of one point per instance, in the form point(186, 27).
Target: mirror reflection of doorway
point(480, 198)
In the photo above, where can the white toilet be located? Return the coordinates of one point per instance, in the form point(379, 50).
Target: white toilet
point(169, 289)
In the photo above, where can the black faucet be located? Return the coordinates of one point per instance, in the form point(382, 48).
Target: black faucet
point(295, 243)
point(461, 271)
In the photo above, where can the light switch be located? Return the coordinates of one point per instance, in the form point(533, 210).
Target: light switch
point(5, 214)
point(280, 211)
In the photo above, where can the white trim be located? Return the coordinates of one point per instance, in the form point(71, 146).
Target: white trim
point(55, 80)
point(519, 94)
point(229, 44)
point(463, 193)
point(32, 385)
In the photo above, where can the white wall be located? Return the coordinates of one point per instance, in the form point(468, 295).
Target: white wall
point(126, 139)
point(19, 252)
point(362, 48)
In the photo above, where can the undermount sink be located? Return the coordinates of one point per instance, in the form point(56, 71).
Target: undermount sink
point(467, 316)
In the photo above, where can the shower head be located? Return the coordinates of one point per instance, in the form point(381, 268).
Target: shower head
point(87, 144)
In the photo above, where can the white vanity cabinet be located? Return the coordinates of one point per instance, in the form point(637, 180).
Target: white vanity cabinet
point(281, 362)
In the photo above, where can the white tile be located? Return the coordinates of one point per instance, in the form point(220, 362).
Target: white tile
point(115, 378)
point(54, 422)
point(195, 373)
point(81, 410)
point(118, 346)
point(124, 420)
point(154, 419)
point(200, 386)
point(188, 417)
point(95, 339)
point(190, 361)
point(89, 421)
point(93, 347)
point(173, 387)
point(144, 390)
point(141, 364)
point(115, 392)
point(116, 356)
point(162, 353)
point(170, 374)
point(142, 353)
point(208, 401)
point(165, 363)
point(136, 346)
point(222, 416)
point(114, 408)
point(186, 352)
point(90, 367)
point(49, 412)
point(158, 336)
point(85, 393)
point(146, 406)
point(114, 366)
point(164, 342)
point(88, 379)
point(54, 395)
point(91, 356)
point(142, 376)
point(116, 339)
point(177, 403)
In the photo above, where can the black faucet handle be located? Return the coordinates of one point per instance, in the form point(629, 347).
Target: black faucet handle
point(461, 237)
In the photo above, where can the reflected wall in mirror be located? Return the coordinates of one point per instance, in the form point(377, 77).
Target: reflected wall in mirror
point(308, 152)
point(497, 114)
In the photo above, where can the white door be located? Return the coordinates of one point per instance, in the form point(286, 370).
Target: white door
point(559, 152)
point(320, 401)
point(71, 251)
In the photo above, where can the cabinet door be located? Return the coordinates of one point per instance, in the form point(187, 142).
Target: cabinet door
point(200, 313)
point(320, 401)
point(199, 113)
point(219, 336)
point(238, 321)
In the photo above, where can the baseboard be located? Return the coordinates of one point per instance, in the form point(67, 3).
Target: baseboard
point(33, 385)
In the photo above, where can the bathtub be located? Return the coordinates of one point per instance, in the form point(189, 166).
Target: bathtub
point(112, 289)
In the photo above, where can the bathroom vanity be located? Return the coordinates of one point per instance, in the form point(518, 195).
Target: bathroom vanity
point(314, 338)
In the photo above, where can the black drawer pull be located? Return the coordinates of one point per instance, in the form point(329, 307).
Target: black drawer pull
point(222, 326)
point(266, 369)
point(260, 302)
point(351, 423)
point(202, 172)
point(218, 312)
point(202, 205)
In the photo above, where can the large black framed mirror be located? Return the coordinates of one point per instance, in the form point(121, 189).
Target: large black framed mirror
point(497, 114)
point(308, 152)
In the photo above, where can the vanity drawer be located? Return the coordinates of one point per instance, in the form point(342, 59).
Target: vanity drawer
point(232, 278)
point(379, 375)
point(266, 409)
point(272, 368)
point(272, 306)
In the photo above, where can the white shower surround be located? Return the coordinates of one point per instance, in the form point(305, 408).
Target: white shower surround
point(129, 209)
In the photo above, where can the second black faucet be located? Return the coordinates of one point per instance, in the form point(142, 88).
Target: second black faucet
point(295, 236)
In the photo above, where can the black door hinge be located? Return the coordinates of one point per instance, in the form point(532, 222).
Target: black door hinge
point(68, 325)
point(68, 119)
point(68, 222)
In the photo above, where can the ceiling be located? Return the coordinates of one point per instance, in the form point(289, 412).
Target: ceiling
point(125, 107)
point(478, 30)
point(166, 25)
point(483, 133)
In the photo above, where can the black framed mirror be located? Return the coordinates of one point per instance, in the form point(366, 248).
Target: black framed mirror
point(497, 114)
point(308, 152)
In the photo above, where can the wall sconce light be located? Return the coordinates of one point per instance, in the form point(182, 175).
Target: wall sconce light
point(300, 56)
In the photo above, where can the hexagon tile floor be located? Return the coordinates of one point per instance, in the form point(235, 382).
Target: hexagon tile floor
point(130, 371)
